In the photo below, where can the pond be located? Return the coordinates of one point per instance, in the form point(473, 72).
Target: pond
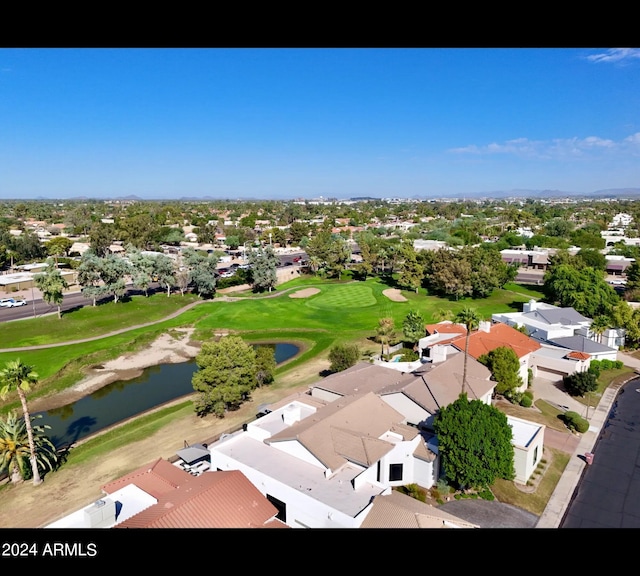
point(126, 398)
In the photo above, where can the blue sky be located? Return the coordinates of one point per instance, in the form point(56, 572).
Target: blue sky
point(342, 122)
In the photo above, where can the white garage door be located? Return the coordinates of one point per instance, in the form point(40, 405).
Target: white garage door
point(549, 374)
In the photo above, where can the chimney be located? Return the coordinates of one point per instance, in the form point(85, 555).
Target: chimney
point(485, 326)
point(530, 306)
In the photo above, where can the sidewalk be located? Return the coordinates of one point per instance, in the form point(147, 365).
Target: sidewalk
point(562, 495)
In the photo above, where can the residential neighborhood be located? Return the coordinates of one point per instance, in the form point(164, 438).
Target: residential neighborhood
point(342, 453)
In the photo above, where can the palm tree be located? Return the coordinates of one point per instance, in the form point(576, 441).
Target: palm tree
point(19, 377)
point(385, 332)
point(598, 326)
point(15, 451)
point(471, 320)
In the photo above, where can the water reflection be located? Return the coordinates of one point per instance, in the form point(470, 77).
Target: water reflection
point(126, 398)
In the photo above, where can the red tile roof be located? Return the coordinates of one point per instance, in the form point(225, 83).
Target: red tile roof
point(445, 328)
point(222, 499)
point(578, 355)
point(500, 334)
point(156, 478)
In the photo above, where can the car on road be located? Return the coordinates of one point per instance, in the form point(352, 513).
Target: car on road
point(297, 259)
point(12, 302)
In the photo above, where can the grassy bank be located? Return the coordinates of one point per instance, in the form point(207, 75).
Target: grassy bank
point(340, 312)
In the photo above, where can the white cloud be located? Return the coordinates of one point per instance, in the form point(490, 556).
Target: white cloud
point(633, 139)
point(615, 55)
point(557, 148)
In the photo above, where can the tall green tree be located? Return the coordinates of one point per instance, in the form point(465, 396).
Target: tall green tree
point(19, 377)
point(226, 375)
point(583, 289)
point(113, 274)
point(627, 318)
point(142, 268)
point(265, 364)
point(504, 365)
point(411, 270)
point(164, 269)
point(88, 276)
point(202, 270)
point(413, 327)
point(471, 320)
point(52, 285)
point(263, 267)
point(474, 440)
point(450, 275)
point(101, 236)
point(343, 356)
point(59, 247)
point(15, 451)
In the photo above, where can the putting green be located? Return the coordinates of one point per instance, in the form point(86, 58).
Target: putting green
point(348, 296)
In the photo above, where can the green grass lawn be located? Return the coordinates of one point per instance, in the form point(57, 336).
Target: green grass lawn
point(342, 312)
point(91, 321)
point(344, 297)
point(535, 501)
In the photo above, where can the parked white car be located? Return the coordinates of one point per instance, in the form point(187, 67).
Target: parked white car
point(12, 302)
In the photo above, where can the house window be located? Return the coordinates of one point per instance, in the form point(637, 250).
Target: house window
point(395, 472)
point(281, 506)
point(535, 454)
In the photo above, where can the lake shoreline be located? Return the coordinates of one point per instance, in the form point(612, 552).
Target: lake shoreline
point(166, 349)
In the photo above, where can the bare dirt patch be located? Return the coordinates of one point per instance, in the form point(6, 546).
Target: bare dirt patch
point(395, 295)
point(304, 293)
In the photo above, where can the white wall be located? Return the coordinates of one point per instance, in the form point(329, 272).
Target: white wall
point(294, 448)
point(412, 413)
point(524, 462)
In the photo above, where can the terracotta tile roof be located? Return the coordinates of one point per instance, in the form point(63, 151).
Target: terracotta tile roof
point(156, 478)
point(222, 499)
point(445, 328)
point(397, 510)
point(500, 334)
point(578, 355)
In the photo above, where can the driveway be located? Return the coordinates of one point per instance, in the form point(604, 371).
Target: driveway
point(490, 514)
point(553, 392)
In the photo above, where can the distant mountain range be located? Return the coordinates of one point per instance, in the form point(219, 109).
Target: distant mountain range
point(542, 194)
point(631, 193)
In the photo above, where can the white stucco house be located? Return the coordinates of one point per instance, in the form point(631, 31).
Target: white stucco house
point(566, 329)
point(324, 458)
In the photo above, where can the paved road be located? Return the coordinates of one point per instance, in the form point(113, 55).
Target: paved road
point(608, 493)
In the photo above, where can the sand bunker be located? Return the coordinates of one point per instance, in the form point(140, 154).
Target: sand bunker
point(395, 295)
point(304, 293)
